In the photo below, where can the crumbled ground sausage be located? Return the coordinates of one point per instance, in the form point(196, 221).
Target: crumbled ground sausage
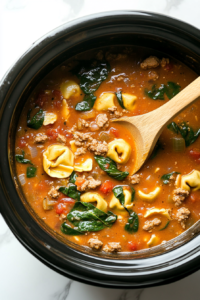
point(95, 243)
point(54, 192)
point(102, 120)
point(134, 179)
point(41, 138)
point(113, 110)
point(149, 225)
point(112, 247)
point(61, 139)
point(90, 183)
point(164, 62)
point(150, 62)
point(182, 215)
point(97, 147)
point(80, 151)
point(153, 75)
point(82, 123)
point(179, 196)
point(80, 138)
point(113, 56)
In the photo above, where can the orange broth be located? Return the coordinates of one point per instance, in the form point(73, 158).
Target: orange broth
point(135, 81)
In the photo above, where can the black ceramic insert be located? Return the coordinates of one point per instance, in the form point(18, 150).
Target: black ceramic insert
point(159, 265)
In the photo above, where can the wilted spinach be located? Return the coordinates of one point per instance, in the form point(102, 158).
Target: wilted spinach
point(133, 220)
point(20, 158)
point(71, 191)
point(110, 167)
point(31, 172)
point(37, 120)
point(119, 98)
point(66, 229)
point(86, 217)
point(186, 132)
point(165, 226)
point(165, 178)
point(72, 178)
point(92, 75)
point(86, 104)
point(171, 89)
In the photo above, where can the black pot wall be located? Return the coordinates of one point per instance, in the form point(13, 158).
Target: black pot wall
point(154, 31)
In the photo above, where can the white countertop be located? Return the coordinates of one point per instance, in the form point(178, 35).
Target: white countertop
point(23, 277)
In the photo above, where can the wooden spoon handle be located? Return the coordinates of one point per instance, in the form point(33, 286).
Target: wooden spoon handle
point(168, 111)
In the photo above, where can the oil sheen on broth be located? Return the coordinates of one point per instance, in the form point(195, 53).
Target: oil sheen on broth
point(75, 164)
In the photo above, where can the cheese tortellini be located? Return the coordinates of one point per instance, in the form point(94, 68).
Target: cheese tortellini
point(153, 240)
point(70, 88)
point(49, 118)
point(114, 203)
point(86, 166)
point(119, 150)
point(191, 180)
point(150, 197)
point(129, 101)
point(95, 197)
point(58, 161)
point(105, 101)
point(162, 211)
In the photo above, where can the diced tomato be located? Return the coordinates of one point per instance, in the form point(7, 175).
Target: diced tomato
point(169, 67)
point(60, 208)
point(57, 103)
point(114, 131)
point(22, 143)
point(79, 181)
point(133, 246)
point(106, 187)
point(41, 99)
point(67, 200)
point(194, 153)
point(52, 133)
point(57, 95)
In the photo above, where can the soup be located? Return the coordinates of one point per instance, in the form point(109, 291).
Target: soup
point(75, 164)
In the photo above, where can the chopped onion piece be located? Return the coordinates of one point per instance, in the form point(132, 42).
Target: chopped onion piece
point(94, 126)
point(104, 136)
point(178, 144)
point(22, 179)
point(33, 151)
point(88, 114)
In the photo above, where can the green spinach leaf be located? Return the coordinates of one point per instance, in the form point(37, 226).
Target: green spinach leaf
point(31, 172)
point(119, 98)
point(186, 132)
point(86, 217)
point(133, 220)
point(37, 120)
point(20, 158)
point(171, 89)
point(72, 178)
point(66, 229)
point(86, 104)
point(71, 191)
point(165, 178)
point(165, 226)
point(133, 223)
point(92, 75)
point(110, 167)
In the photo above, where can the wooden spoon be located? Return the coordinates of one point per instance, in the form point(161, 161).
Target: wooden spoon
point(147, 128)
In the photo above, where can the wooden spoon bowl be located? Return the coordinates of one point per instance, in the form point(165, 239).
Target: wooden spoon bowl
point(147, 128)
